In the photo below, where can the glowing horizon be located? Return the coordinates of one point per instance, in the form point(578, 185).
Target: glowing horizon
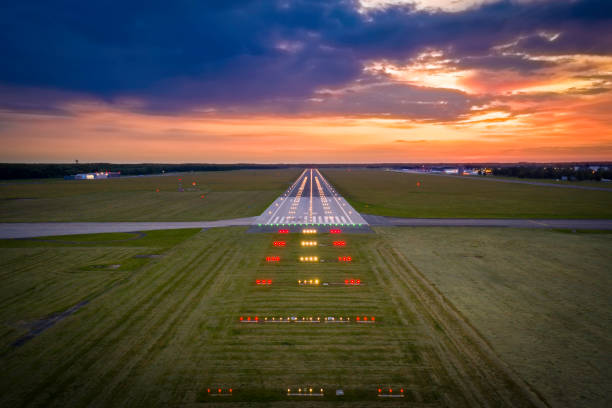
point(458, 94)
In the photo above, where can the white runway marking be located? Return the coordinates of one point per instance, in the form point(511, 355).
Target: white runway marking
point(321, 205)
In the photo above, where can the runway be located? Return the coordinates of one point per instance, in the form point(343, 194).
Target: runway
point(43, 229)
point(310, 200)
point(380, 221)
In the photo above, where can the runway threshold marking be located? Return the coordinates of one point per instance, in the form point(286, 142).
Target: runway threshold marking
point(336, 199)
point(288, 195)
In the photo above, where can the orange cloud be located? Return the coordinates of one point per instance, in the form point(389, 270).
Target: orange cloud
point(96, 132)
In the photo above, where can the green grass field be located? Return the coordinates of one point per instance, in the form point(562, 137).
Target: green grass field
point(160, 331)
point(584, 183)
point(396, 194)
point(227, 194)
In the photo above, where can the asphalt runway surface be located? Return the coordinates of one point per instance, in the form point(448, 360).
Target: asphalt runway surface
point(310, 200)
point(377, 220)
point(43, 229)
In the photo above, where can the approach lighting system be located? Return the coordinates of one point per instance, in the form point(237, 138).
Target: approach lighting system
point(309, 243)
point(309, 259)
point(283, 231)
point(389, 392)
point(335, 231)
point(272, 258)
point(307, 319)
point(219, 392)
point(339, 243)
point(352, 282)
point(262, 282)
point(345, 259)
point(309, 282)
point(309, 231)
point(280, 243)
point(307, 391)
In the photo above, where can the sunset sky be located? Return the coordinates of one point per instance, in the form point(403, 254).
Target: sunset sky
point(306, 81)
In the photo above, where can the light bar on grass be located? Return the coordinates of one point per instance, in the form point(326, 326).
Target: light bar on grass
point(307, 319)
point(262, 282)
point(307, 391)
point(219, 392)
point(308, 282)
point(390, 393)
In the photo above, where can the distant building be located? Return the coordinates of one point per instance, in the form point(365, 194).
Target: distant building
point(94, 176)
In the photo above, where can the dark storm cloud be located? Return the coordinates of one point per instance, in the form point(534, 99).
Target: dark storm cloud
point(182, 54)
point(497, 62)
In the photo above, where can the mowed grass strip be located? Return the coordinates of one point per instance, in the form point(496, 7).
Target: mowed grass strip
point(42, 278)
point(227, 194)
point(541, 298)
point(172, 330)
point(396, 194)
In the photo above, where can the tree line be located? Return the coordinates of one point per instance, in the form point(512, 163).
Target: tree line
point(10, 171)
point(541, 172)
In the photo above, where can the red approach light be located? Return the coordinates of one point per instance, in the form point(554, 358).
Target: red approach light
point(339, 243)
point(219, 390)
point(202, 196)
point(365, 318)
point(180, 179)
point(256, 318)
point(241, 319)
point(335, 231)
point(208, 390)
point(193, 184)
point(379, 390)
point(346, 282)
point(272, 258)
point(249, 318)
point(352, 281)
point(157, 190)
point(263, 282)
point(358, 318)
point(401, 390)
point(372, 318)
point(283, 231)
point(280, 243)
point(418, 184)
point(230, 390)
point(358, 282)
point(390, 390)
